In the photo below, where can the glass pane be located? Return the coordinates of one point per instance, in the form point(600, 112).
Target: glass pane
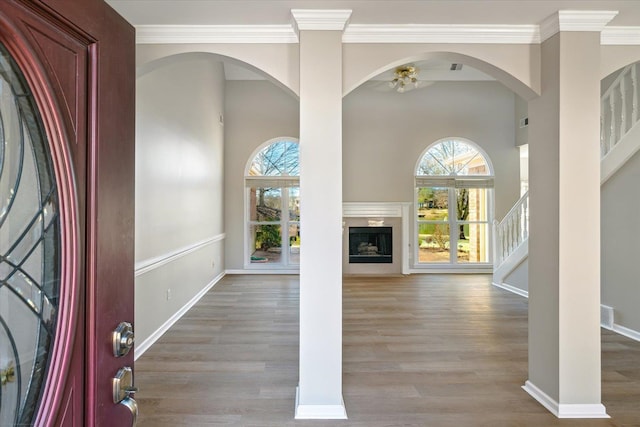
point(29, 249)
point(266, 204)
point(267, 243)
point(453, 157)
point(433, 204)
point(277, 159)
point(294, 203)
point(473, 243)
point(433, 242)
point(294, 243)
point(471, 204)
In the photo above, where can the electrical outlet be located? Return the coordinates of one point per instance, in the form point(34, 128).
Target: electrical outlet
point(168, 294)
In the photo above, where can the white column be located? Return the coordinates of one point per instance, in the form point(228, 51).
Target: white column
point(319, 393)
point(564, 240)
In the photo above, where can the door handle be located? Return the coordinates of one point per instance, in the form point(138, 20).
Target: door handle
point(123, 391)
point(131, 403)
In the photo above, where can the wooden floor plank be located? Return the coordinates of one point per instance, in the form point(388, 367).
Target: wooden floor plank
point(422, 350)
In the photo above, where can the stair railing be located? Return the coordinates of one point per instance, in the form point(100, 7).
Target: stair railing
point(619, 108)
point(509, 233)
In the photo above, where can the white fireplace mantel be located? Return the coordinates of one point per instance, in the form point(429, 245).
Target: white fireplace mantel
point(384, 210)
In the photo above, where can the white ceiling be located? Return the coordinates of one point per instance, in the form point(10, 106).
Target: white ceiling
point(394, 12)
point(265, 12)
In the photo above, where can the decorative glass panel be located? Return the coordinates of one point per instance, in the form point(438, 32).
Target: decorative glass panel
point(278, 158)
point(29, 249)
point(453, 157)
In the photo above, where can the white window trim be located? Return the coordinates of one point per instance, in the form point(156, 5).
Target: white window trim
point(451, 182)
point(284, 182)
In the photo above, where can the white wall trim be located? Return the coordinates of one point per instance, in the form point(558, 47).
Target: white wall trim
point(373, 209)
point(262, 271)
point(606, 317)
point(460, 269)
point(141, 348)
point(512, 289)
point(319, 412)
point(512, 262)
point(564, 410)
point(441, 33)
point(575, 20)
point(175, 34)
point(627, 332)
point(150, 264)
point(375, 33)
point(620, 36)
point(321, 19)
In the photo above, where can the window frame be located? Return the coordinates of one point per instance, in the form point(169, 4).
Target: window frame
point(452, 183)
point(284, 183)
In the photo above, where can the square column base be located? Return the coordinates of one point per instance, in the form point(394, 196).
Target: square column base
point(564, 410)
point(319, 412)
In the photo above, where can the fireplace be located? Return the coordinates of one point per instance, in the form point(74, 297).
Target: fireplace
point(370, 245)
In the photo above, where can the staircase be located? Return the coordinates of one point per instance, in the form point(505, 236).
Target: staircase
point(619, 140)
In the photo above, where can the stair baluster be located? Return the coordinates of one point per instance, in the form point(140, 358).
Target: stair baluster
point(512, 231)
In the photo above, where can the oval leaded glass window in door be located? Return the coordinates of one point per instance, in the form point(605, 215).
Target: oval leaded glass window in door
point(29, 249)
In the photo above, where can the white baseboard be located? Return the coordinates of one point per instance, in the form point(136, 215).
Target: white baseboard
point(140, 348)
point(512, 289)
point(319, 412)
point(627, 332)
point(564, 410)
point(606, 317)
point(252, 271)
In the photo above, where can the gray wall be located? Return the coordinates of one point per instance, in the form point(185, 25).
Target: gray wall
point(385, 133)
point(255, 112)
point(521, 112)
point(179, 186)
point(620, 219)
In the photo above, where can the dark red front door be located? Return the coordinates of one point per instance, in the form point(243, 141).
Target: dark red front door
point(68, 87)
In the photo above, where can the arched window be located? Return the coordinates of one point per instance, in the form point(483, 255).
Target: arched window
point(454, 182)
point(273, 205)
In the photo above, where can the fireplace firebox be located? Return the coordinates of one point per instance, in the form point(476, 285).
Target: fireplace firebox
point(372, 245)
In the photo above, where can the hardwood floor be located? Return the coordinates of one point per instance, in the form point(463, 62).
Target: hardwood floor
point(422, 350)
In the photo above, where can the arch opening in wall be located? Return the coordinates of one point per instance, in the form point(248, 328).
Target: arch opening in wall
point(272, 206)
point(453, 206)
point(518, 79)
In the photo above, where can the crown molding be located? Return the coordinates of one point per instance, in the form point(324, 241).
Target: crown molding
point(312, 19)
point(175, 34)
point(620, 36)
point(359, 33)
point(437, 33)
point(575, 20)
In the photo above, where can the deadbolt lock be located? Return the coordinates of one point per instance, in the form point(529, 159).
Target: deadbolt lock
point(123, 339)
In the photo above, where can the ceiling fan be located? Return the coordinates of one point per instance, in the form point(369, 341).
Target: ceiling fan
point(403, 79)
